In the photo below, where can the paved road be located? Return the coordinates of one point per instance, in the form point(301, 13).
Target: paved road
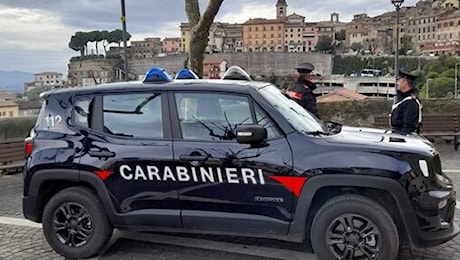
point(21, 239)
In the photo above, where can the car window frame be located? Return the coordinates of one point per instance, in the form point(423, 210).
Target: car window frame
point(98, 118)
point(175, 122)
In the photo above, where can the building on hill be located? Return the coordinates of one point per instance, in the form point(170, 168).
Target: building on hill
point(7, 95)
point(91, 72)
point(45, 79)
point(446, 3)
point(340, 95)
point(263, 35)
point(147, 48)
point(172, 46)
point(29, 108)
point(281, 9)
point(446, 39)
point(8, 109)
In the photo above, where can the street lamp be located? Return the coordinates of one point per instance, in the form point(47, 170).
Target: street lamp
point(456, 81)
point(397, 4)
point(125, 47)
point(427, 86)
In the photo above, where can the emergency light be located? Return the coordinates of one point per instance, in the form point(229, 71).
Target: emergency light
point(157, 75)
point(186, 74)
point(236, 73)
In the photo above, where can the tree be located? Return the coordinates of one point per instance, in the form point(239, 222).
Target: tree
point(356, 46)
point(406, 45)
point(324, 44)
point(105, 35)
point(199, 31)
point(442, 87)
point(116, 36)
point(96, 37)
point(341, 35)
point(78, 42)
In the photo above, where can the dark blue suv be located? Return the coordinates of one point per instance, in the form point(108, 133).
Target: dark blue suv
point(230, 157)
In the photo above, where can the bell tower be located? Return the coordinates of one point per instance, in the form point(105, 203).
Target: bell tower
point(281, 9)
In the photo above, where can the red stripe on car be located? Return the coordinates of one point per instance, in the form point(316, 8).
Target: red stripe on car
point(294, 184)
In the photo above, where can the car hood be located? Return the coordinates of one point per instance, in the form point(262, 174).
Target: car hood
point(380, 139)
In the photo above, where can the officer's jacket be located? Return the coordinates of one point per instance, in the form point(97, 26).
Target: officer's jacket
point(302, 92)
point(406, 114)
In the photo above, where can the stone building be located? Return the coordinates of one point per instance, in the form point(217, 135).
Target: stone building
point(447, 37)
point(44, 79)
point(8, 109)
point(172, 45)
point(293, 33)
point(89, 72)
point(147, 48)
point(263, 35)
point(233, 38)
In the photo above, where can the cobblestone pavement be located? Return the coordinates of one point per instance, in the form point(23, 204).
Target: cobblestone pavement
point(26, 241)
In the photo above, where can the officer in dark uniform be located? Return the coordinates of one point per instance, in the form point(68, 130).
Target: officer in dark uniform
point(302, 90)
point(406, 114)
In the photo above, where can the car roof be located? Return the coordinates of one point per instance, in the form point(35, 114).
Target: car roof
point(193, 84)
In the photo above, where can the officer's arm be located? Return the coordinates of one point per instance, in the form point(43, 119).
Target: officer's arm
point(308, 101)
point(410, 118)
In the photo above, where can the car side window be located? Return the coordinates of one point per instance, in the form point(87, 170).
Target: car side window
point(133, 115)
point(265, 121)
point(216, 116)
point(82, 113)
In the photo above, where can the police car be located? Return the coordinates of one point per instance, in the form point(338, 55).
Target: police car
point(232, 157)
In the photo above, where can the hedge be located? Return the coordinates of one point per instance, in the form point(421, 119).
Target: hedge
point(16, 127)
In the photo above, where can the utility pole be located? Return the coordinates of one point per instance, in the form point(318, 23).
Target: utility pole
point(125, 47)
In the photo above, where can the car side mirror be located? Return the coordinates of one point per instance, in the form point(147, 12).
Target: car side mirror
point(255, 135)
point(333, 127)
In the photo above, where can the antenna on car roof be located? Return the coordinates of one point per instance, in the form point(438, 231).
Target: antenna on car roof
point(236, 73)
point(157, 75)
point(186, 74)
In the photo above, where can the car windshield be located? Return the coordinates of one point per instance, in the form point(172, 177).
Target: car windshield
point(297, 116)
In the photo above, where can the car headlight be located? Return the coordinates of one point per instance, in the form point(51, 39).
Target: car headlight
point(424, 168)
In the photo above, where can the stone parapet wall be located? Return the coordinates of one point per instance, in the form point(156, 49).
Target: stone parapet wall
point(255, 63)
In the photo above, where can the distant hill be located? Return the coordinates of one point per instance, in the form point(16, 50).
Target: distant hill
point(14, 80)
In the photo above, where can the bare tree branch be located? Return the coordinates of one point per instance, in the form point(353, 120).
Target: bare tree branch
point(192, 9)
point(209, 14)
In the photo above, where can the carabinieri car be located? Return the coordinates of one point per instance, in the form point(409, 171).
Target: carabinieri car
point(232, 157)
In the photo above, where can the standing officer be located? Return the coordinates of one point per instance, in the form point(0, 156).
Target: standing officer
point(302, 90)
point(406, 115)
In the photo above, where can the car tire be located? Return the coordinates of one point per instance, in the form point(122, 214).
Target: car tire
point(75, 224)
point(351, 226)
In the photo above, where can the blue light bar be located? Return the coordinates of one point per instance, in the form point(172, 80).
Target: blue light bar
point(157, 75)
point(186, 74)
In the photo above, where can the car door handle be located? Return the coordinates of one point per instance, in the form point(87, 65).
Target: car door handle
point(193, 158)
point(101, 154)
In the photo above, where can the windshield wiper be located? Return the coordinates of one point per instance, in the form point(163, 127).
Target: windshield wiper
point(317, 133)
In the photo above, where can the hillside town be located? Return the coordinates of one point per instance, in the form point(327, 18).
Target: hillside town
point(273, 46)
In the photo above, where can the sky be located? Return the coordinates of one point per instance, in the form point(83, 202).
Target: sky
point(34, 34)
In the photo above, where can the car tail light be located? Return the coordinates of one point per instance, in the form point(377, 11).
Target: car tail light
point(29, 146)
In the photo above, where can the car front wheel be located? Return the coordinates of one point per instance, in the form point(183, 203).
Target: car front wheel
point(354, 227)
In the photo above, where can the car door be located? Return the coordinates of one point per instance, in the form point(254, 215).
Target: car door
point(224, 185)
point(128, 147)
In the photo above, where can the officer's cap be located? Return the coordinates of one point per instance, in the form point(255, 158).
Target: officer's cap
point(406, 75)
point(305, 67)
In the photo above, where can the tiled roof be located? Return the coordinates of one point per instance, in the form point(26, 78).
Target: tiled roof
point(341, 94)
point(7, 104)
